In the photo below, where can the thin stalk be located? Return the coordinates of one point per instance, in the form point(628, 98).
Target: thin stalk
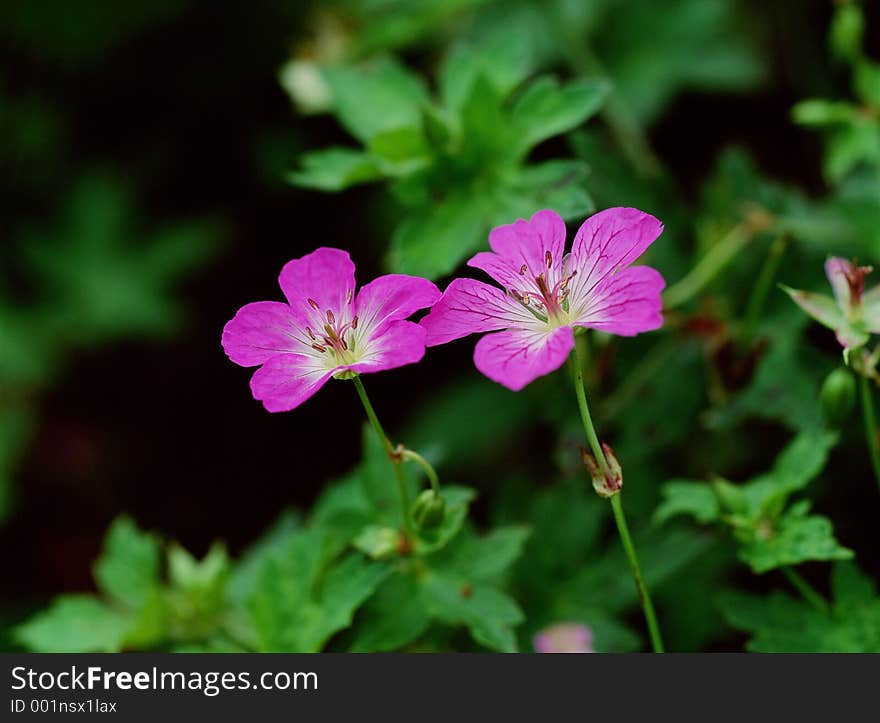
point(617, 508)
point(807, 591)
point(870, 425)
point(426, 466)
point(708, 267)
point(762, 285)
point(389, 450)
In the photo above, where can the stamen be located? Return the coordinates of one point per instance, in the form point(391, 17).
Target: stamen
point(310, 333)
point(354, 322)
point(348, 297)
point(314, 304)
point(522, 270)
point(526, 299)
point(328, 330)
point(344, 345)
point(318, 347)
point(548, 259)
point(330, 317)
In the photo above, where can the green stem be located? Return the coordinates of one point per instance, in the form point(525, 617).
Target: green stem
point(806, 590)
point(870, 425)
point(762, 286)
point(708, 267)
point(425, 465)
point(644, 597)
point(389, 450)
point(617, 507)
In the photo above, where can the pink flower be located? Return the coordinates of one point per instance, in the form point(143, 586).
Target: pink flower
point(564, 638)
point(547, 293)
point(324, 329)
point(853, 313)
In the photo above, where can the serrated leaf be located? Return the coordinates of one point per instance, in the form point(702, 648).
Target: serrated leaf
point(375, 97)
point(302, 596)
point(546, 108)
point(685, 497)
point(489, 614)
point(797, 537)
point(74, 624)
point(484, 558)
point(433, 242)
point(334, 169)
point(503, 59)
point(128, 569)
point(392, 618)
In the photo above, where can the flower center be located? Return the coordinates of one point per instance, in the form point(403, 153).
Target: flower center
point(547, 301)
point(855, 278)
point(330, 338)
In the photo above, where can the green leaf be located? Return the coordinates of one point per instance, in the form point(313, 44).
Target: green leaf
point(375, 97)
point(488, 613)
point(802, 459)
point(503, 59)
point(128, 569)
point(546, 108)
point(335, 169)
point(867, 82)
point(818, 112)
point(392, 618)
point(555, 184)
point(247, 568)
point(401, 150)
point(74, 624)
point(854, 144)
point(797, 537)
point(484, 558)
point(684, 497)
point(433, 242)
point(378, 542)
point(783, 624)
point(302, 597)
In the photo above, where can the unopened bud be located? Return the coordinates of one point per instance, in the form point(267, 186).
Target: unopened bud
point(429, 510)
point(608, 478)
point(838, 396)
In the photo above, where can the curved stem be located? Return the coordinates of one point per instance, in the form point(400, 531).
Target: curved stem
point(644, 597)
point(762, 285)
point(617, 507)
point(806, 590)
point(389, 450)
point(708, 267)
point(870, 425)
point(425, 465)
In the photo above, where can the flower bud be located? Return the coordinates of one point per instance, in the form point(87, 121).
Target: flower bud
point(838, 396)
point(429, 510)
point(609, 481)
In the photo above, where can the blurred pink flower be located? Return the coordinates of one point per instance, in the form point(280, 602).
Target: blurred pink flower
point(564, 638)
point(853, 314)
point(325, 328)
point(547, 293)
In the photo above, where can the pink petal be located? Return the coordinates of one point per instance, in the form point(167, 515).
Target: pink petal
point(516, 357)
point(394, 297)
point(822, 308)
point(326, 276)
point(625, 304)
point(564, 638)
point(499, 268)
point(527, 242)
point(608, 241)
point(836, 269)
point(287, 380)
point(259, 331)
point(394, 344)
point(468, 307)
